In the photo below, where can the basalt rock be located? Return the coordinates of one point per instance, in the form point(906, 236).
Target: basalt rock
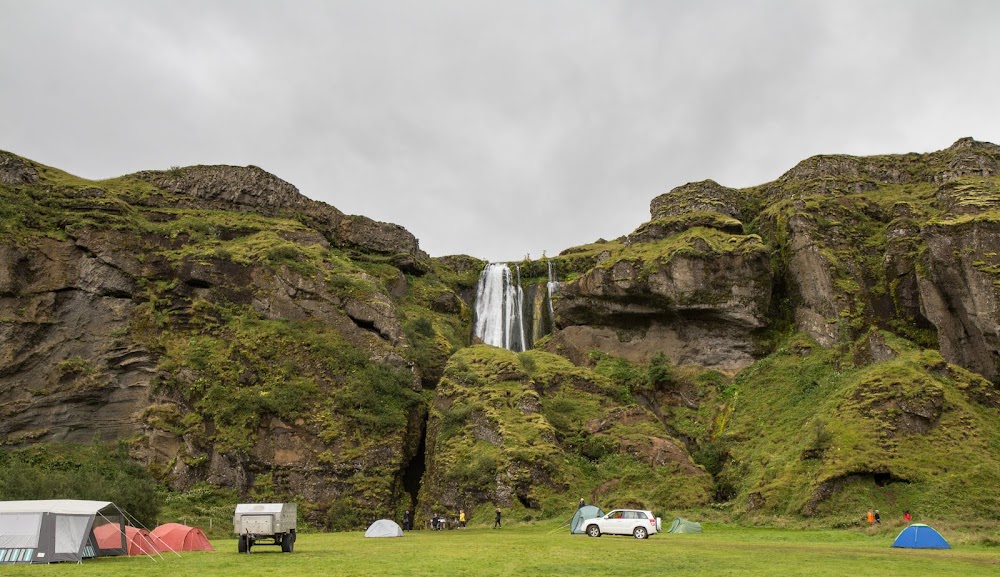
point(232, 351)
point(15, 170)
point(253, 189)
point(689, 284)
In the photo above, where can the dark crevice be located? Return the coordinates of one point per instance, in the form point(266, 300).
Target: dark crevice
point(369, 326)
point(414, 471)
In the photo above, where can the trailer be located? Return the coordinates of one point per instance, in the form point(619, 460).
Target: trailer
point(257, 523)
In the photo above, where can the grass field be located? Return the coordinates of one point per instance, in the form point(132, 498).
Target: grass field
point(546, 549)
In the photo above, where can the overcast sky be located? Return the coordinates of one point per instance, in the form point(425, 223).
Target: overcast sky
point(493, 128)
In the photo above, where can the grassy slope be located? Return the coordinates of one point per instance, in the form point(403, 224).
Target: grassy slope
point(579, 458)
point(549, 550)
point(797, 401)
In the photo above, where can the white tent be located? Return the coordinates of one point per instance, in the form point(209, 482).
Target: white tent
point(56, 530)
point(384, 528)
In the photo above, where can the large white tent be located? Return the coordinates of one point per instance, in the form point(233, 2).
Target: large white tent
point(56, 530)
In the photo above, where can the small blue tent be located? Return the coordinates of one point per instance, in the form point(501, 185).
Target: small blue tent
point(920, 536)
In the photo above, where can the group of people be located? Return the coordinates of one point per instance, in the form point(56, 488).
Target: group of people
point(874, 518)
point(437, 521)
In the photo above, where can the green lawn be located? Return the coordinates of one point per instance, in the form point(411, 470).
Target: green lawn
point(546, 549)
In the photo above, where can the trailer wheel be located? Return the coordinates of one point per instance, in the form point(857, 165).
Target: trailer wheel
point(242, 544)
point(287, 542)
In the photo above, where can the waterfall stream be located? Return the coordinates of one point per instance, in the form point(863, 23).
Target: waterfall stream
point(499, 305)
point(510, 315)
point(552, 286)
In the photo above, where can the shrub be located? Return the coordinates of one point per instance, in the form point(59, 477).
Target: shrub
point(378, 396)
point(659, 372)
point(100, 472)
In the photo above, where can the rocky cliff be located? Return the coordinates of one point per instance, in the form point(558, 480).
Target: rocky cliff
point(236, 331)
point(777, 349)
point(833, 247)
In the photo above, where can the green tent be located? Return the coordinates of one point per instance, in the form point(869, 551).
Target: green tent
point(684, 526)
point(581, 515)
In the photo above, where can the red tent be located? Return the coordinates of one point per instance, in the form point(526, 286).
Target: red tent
point(177, 537)
point(137, 540)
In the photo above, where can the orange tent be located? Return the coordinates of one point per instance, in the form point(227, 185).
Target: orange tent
point(177, 537)
point(137, 541)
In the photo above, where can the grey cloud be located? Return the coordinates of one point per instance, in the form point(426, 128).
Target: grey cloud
point(496, 129)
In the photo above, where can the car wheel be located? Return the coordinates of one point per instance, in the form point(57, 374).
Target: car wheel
point(640, 533)
point(594, 531)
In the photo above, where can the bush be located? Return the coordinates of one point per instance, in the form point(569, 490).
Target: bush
point(378, 396)
point(659, 372)
point(99, 472)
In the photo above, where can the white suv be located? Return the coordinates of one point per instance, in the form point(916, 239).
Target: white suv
point(640, 524)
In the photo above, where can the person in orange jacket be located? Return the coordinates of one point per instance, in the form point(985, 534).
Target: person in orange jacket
point(871, 517)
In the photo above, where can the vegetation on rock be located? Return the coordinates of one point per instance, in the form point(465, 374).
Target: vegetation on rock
point(806, 348)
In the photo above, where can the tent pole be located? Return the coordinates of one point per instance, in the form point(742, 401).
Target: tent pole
point(137, 523)
point(120, 531)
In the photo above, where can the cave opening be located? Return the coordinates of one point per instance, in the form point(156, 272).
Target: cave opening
point(414, 471)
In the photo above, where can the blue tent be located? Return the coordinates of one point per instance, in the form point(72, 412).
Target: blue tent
point(581, 515)
point(920, 536)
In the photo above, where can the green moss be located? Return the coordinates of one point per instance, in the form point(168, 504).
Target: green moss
point(801, 422)
point(524, 416)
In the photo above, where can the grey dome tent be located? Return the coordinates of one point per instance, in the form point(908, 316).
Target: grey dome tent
point(384, 528)
point(684, 526)
point(58, 530)
point(582, 514)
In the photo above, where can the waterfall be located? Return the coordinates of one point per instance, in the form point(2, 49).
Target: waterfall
point(499, 305)
point(552, 286)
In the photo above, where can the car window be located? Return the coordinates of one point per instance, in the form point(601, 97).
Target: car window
point(629, 515)
point(640, 515)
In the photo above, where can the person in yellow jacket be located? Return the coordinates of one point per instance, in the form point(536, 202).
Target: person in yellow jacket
point(461, 518)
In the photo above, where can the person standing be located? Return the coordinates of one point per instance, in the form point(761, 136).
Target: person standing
point(406, 520)
point(878, 519)
point(461, 518)
point(496, 522)
point(871, 517)
point(907, 517)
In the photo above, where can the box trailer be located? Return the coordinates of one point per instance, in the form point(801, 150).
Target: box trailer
point(257, 523)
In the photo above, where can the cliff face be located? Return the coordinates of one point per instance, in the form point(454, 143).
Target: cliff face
point(233, 331)
point(833, 247)
point(690, 283)
point(237, 333)
point(818, 291)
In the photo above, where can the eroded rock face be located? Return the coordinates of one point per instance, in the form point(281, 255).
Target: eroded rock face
point(704, 196)
point(961, 296)
point(695, 297)
point(95, 329)
point(811, 273)
point(253, 189)
point(14, 170)
point(385, 238)
point(936, 278)
point(68, 374)
point(249, 188)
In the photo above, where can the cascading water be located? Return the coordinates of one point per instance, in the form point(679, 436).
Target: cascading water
point(552, 286)
point(499, 305)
